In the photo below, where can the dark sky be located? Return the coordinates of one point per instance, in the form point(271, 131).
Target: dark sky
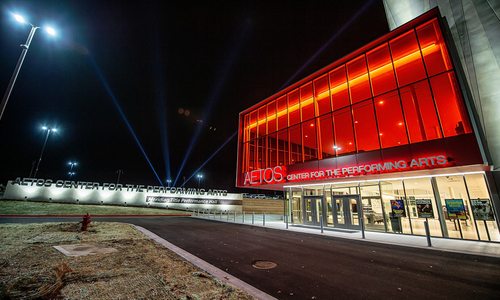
point(214, 59)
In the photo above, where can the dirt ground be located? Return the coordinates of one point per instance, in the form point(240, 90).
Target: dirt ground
point(141, 269)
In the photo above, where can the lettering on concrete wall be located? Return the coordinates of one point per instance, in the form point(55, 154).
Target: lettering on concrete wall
point(68, 184)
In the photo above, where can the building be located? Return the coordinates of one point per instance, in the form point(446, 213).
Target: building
point(387, 137)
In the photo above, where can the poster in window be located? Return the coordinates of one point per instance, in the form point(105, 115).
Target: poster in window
point(481, 209)
point(398, 208)
point(424, 208)
point(455, 209)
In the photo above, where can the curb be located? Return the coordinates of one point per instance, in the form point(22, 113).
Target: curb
point(211, 269)
point(93, 216)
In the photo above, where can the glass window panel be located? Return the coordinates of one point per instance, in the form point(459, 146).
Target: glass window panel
point(450, 105)
point(433, 48)
point(452, 188)
point(373, 211)
point(407, 59)
point(309, 140)
point(272, 153)
point(282, 113)
point(326, 136)
point(394, 190)
point(244, 159)
point(295, 142)
point(381, 70)
point(307, 102)
point(272, 123)
point(365, 126)
point(252, 154)
point(246, 128)
point(261, 127)
point(421, 188)
point(261, 153)
point(391, 124)
point(293, 108)
point(283, 147)
point(359, 87)
point(420, 113)
point(253, 125)
point(322, 95)
point(482, 208)
point(344, 134)
point(338, 88)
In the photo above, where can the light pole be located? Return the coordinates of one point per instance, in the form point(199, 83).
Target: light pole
point(49, 130)
point(119, 172)
point(25, 48)
point(71, 165)
point(169, 181)
point(199, 176)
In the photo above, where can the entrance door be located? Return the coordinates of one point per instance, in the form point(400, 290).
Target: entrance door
point(346, 211)
point(312, 210)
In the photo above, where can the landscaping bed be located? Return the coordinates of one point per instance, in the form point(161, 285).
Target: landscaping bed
point(31, 268)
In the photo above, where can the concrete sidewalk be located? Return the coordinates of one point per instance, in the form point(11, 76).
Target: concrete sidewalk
point(491, 249)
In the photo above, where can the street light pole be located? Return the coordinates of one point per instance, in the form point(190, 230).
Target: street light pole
point(119, 172)
point(49, 130)
point(20, 61)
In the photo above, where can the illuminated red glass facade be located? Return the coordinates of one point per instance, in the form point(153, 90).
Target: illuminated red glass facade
point(396, 98)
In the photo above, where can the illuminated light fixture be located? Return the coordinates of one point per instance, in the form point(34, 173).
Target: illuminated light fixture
point(400, 123)
point(381, 102)
point(311, 125)
point(353, 81)
point(381, 134)
point(337, 147)
point(50, 30)
point(19, 18)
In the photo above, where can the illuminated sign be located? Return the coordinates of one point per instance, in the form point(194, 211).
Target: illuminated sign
point(268, 175)
point(278, 174)
point(88, 185)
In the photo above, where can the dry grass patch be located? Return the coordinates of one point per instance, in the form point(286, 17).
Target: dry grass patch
point(141, 269)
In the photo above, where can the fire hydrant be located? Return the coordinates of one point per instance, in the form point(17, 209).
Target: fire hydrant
point(85, 222)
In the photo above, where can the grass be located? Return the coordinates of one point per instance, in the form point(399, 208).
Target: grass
point(140, 269)
point(10, 207)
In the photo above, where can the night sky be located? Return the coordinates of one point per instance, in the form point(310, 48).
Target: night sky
point(154, 59)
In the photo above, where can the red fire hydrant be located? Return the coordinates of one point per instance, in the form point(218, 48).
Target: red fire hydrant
point(85, 222)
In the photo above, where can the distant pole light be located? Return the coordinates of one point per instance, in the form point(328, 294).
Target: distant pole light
point(49, 130)
point(71, 165)
point(199, 176)
point(20, 19)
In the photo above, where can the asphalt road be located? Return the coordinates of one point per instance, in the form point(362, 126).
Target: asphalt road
point(321, 267)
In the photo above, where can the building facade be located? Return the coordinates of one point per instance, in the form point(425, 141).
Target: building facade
point(386, 137)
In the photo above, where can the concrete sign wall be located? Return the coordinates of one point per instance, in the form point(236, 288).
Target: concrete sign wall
point(81, 192)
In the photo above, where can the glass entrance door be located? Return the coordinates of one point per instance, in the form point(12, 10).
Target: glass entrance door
point(346, 210)
point(312, 210)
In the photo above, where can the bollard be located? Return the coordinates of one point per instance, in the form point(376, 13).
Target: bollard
point(361, 221)
point(220, 214)
point(264, 219)
point(427, 233)
point(253, 217)
point(227, 216)
point(243, 218)
point(234, 217)
point(286, 220)
point(321, 224)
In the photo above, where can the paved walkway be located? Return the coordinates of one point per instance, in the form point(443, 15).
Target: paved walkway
point(441, 244)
